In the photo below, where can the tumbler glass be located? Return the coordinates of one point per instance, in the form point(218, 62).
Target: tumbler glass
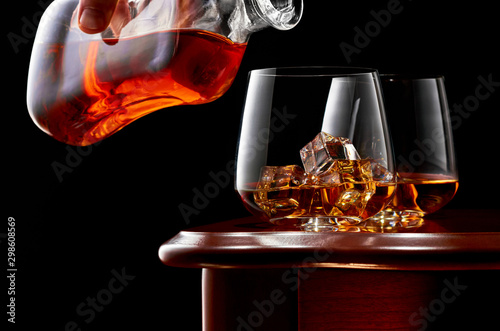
point(419, 120)
point(314, 147)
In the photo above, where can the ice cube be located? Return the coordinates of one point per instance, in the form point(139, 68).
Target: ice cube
point(356, 177)
point(380, 173)
point(354, 171)
point(276, 192)
point(275, 177)
point(354, 186)
point(320, 157)
point(347, 198)
point(319, 154)
point(353, 201)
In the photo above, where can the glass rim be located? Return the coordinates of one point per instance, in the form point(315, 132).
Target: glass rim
point(409, 76)
point(313, 71)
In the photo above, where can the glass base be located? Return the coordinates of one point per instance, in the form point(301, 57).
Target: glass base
point(385, 221)
point(390, 220)
point(321, 223)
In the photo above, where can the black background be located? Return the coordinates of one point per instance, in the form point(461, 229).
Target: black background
point(120, 203)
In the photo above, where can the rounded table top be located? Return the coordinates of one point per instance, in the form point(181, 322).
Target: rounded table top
point(449, 240)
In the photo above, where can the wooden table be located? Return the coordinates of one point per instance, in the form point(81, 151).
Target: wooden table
point(256, 276)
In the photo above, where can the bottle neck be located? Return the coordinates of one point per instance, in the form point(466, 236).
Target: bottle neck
point(249, 16)
point(280, 14)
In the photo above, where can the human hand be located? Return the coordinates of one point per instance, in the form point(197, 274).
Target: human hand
point(95, 16)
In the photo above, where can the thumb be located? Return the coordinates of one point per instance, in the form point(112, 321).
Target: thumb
point(94, 15)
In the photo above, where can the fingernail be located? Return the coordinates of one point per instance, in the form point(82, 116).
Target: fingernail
point(92, 20)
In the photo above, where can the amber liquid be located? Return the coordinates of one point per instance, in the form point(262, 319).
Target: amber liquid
point(82, 93)
point(425, 193)
point(286, 205)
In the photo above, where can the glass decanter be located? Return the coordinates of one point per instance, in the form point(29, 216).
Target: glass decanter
point(155, 54)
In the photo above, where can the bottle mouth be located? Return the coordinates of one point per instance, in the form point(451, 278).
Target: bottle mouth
point(280, 14)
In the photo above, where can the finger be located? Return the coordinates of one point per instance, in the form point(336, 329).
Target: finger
point(120, 17)
point(94, 15)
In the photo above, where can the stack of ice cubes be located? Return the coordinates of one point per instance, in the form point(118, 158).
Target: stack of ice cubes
point(328, 162)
